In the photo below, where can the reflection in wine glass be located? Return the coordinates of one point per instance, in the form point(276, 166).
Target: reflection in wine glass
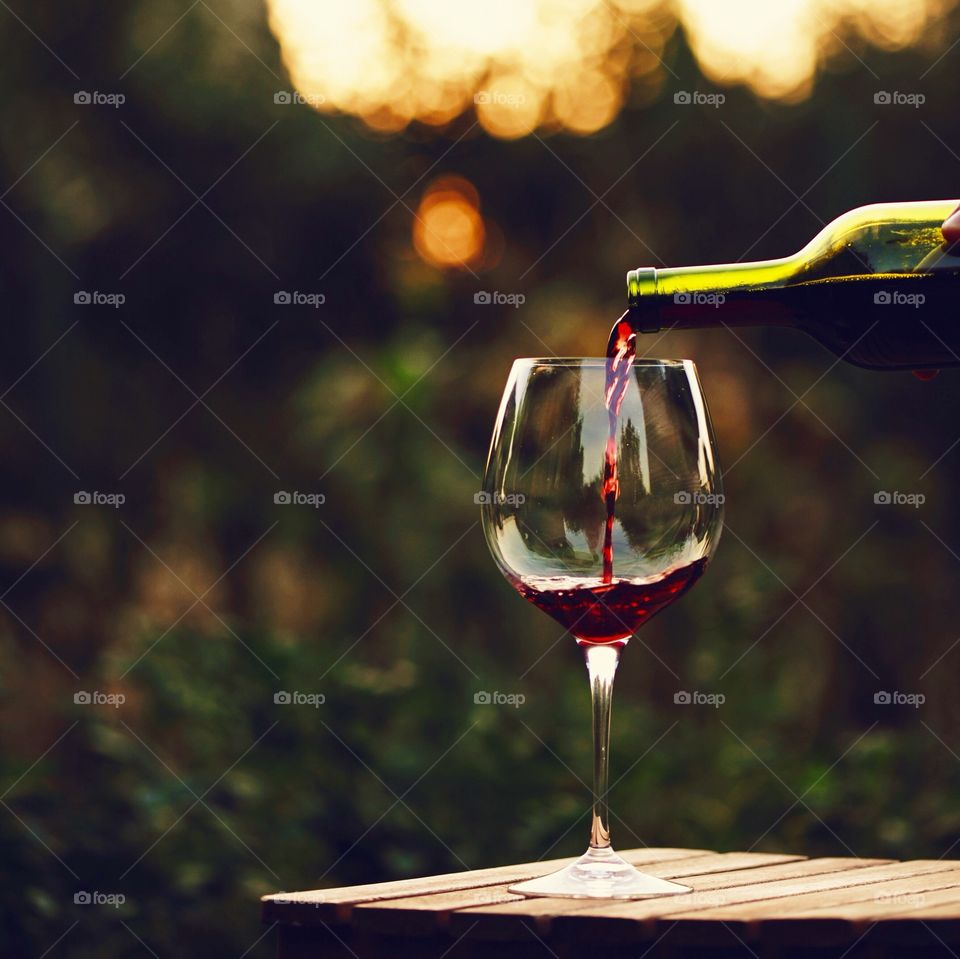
point(551, 512)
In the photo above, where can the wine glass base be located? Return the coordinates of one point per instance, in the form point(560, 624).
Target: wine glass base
point(599, 874)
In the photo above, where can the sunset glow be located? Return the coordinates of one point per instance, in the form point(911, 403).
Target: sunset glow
point(526, 65)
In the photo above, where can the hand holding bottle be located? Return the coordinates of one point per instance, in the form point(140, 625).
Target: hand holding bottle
point(951, 233)
point(951, 227)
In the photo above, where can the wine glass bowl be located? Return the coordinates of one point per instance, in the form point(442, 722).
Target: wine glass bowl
point(543, 511)
point(602, 504)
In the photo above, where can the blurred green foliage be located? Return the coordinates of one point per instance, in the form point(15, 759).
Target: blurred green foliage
point(200, 792)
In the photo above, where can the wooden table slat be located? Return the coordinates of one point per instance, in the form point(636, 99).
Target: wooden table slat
point(936, 904)
point(764, 920)
point(336, 905)
point(636, 921)
point(832, 923)
point(886, 905)
point(932, 879)
point(421, 915)
point(507, 920)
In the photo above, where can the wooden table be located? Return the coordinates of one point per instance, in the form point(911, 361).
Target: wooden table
point(743, 904)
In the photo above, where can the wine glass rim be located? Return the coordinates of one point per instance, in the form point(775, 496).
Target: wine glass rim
point(594, 361)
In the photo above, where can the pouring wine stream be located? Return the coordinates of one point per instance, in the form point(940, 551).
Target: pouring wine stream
point(621, 351)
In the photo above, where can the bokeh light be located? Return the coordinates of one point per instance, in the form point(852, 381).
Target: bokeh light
point(519, 64)
point(448, 230)
point(563, 64)
point(777, 48)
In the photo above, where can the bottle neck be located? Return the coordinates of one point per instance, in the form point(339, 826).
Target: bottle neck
point(671, 281)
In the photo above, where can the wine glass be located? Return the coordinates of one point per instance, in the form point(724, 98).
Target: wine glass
point(602, 504)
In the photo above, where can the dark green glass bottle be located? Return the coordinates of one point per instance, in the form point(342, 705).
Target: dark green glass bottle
point(878, 286)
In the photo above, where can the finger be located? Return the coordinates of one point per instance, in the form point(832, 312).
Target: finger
point(951, 227)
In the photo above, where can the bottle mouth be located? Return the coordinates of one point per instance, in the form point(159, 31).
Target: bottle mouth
point(641, 282)
point(595, 362)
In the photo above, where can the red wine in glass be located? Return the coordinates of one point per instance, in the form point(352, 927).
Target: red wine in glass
point(610, 612)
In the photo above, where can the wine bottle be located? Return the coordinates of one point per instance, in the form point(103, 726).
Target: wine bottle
point(878, 286)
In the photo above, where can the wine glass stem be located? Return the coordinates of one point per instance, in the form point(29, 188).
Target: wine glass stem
point(601, 667)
